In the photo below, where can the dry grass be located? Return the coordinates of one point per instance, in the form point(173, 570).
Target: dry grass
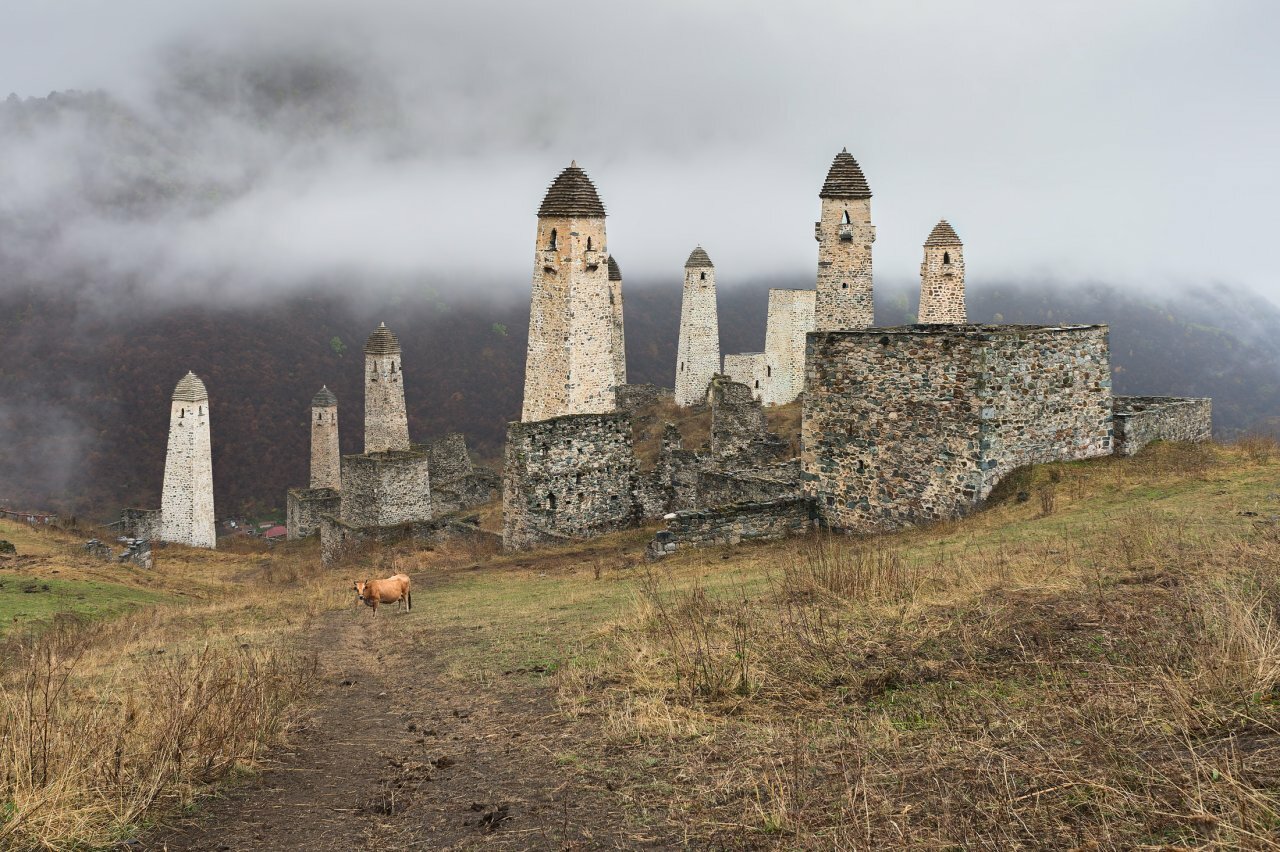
point(1101, 672)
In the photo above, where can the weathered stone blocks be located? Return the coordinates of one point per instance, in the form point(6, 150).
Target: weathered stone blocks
point(382, 489)
point(1139, 420)
point(186, 502)
point(698, 348)
point(304, 506)
point(734, 524)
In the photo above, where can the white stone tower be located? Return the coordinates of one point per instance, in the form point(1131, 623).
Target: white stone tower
point(698, 353)
point(844, 235)
point(571, 365)
point(186, 504)
point(942, 278)
point(791, 316)
point(386, 426)
point(325, 455)
point(619, 339)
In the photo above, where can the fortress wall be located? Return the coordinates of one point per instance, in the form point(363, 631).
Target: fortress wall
point(569, 477)
point(1139, 420)
point(382, 489)
point(304, 506)
point(917, 423)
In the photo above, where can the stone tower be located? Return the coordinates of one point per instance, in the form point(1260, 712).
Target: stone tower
point(698, 354)
point(571, 366)
point(844, 235)
point(942, 278)
point(790, 318)
point(186, 504)
point(619, 339)
point(386, 426)
point(325, 455)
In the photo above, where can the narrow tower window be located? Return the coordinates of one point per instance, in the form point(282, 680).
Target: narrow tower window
point(845, 220)
point(588, 244)
point(946, 257)
point(768, 372)
point(551, 502)
point(702, 276)
point(844, 285)
point(552, 244)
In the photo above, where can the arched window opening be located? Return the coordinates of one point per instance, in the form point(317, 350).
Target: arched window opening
point(844, 285)
point(552, 244)
point(702, 276)
point(551, 502)
point(588, 244)
point(845, 220)
point(768, 372)
point(946, 257)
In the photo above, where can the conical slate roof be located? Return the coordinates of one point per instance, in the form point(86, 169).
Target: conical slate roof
point(845, 178)
point(382, 342)
point(572, 194)
point(943, 235)
point(324, 398)
point(698, 257)
point(190, 389)
point(615, 274)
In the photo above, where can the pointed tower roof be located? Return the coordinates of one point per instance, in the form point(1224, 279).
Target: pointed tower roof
point(324, 398)
point(943, 235)
point(572, 194)
point(190, 389)
point(845, 178)
point(382, 342)
point(615, 274)
point(698, 257)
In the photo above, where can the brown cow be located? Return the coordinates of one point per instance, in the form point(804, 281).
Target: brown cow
point(391, 590)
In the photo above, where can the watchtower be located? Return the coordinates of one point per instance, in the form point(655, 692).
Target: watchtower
point(325, 455)
point(844, 234)
point(619, 339)
point(698, 353)
point(186, 503)
point(386, 425)
point(942, 278)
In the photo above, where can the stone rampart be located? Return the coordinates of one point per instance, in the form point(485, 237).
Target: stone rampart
point(917, 423)
point(340, 540)
point(731, 525)
point(304, 508)
point(1139, 420)
point(383, 489)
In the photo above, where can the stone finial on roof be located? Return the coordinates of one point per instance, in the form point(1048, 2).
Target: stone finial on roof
point(698, 257)
point(572, 194)
point(324, 398)
point(382, 342)
point(943, 235)
point(190, 389)
point(845, 178)
point(615, 274)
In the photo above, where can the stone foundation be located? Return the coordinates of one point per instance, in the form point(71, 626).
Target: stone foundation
point(304, 508)
point(732, 525)
point(917, 423)
point(384, 489)
point(1139, 420)
point(340, 540)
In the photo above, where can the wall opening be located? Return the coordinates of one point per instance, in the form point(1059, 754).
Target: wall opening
point(757, 383)
point(551, 502)
point(845, 220)
point(768, 372)
point(702, 276)
point(844, 285)
point(588, 244)
point(946, 257)
point(552, 243)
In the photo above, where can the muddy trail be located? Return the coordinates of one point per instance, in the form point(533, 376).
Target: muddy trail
point(398, 755)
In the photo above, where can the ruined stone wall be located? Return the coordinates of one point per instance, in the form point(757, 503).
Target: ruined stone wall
point(382, 489)
point(1139, 420)
point(731, 525)
point(340, 540)
point(942, 285)
point(740, 434)
point(186, 502)
point(303, 509)
point(918, 423)
point(140, 523)
point(449, 458)
point(326, 457)
point(791, 318)
point(749, 368)
point(633, 398)
point(698, 350)
point(572, 356)
point(569, 477)
point(844, 291)
point(751, 485)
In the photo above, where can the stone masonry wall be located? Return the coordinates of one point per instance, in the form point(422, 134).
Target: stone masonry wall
point(749, 368)
point(698, 350)
point(326, 457)
point(942, 285)
point(569, 477)
point(732, 525)
point(303, 509)
point(1139, 420)
point(844, 292)
point(918, 423)
point(140, 523)
point(386, 425)
point(449, 458)
point(619, 342)
point(740, 435)
point(186, 502)
point(382, 489)
point(791, 318)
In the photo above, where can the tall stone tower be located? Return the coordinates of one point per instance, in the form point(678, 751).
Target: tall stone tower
point(186, 503)
point(573, 347)
point(844, 235)
point(790, 318)
point(386, 426)
point(325, 455)
point(698, 354)
point(619, 339)
point(942, 277)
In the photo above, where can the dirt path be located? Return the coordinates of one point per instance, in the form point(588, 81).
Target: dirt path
point(399, 756)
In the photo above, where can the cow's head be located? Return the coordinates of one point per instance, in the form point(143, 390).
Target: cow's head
point(359, 585)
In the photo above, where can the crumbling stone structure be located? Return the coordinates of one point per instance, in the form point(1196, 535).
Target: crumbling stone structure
point(918, 423)
point(140, 523)
point(386, 488)
point(186, 503)
point(751, 369)
point(845, 235)
point(566, 478)
point(740, 434)
point(942, 277)
point(1139, 420)
point(456, 483)
point(386, 425)
point(575, 310)
point(791, 318)
point(730, 525)
point(304, 506)
point(137, 551)
point(698, 352)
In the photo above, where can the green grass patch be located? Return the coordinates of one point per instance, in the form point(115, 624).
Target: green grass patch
point(25, 599)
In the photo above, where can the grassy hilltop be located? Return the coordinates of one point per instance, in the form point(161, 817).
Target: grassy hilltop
point(1092, 662)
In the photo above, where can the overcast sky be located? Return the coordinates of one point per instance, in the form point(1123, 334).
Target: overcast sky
point(1130, 141)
